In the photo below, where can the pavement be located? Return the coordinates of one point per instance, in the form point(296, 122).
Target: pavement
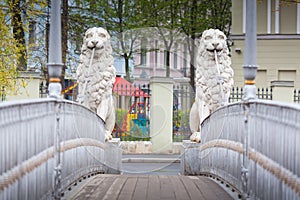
point(155, 164)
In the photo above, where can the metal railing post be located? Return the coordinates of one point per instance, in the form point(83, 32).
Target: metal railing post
point(55, 71)
point(55, 52)
point(249, 68)
point(57, 150)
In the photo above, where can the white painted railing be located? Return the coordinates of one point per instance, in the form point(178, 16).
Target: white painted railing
point(254, 146)
point(48, 144)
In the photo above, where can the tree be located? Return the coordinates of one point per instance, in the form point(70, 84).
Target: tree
point(64, 37)
point(193, 22)
point(122, 18)
point(219, 15)
point(9, 54)
point(15, 15)
point(21, 12)
point(197, 16)
point(18, 32)
point(164, 16)
point(82, 14)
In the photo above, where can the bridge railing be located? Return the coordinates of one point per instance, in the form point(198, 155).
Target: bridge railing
point(254, 147)
point(47, 144)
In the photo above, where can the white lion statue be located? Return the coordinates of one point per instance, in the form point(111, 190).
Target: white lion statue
point(213, 79)
point(96, 76)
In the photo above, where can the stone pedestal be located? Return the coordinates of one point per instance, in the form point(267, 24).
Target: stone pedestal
point(190, 158)
point(161, 111)
point(283, 91)
point(113, 156)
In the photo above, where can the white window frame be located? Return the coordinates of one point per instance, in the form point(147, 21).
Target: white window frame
point(298, 18)
point(244, 16)
point(277, 16)
point(269, 17)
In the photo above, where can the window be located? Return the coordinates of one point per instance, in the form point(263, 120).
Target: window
point(175, 57)
point(287, 75)
point(32, 32)
point(143, 52)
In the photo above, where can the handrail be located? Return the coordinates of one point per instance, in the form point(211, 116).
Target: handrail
point(29, 157)
point(253, 146)
point(285, 175)
point(31, 164)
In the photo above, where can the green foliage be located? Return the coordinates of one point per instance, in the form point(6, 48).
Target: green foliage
point(15, 15)
point(171, 18)
point(9, 54)
point(219, 16)
point(18, 15)
point(120, 114)
point(181, 118)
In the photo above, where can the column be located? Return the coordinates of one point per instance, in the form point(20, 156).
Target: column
point(161, 114)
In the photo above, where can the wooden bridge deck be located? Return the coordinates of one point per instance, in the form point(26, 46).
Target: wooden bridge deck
point(106, 186)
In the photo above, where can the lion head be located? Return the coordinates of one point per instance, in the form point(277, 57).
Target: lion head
point(97, 38)
point(97, 67)
point(213, 40)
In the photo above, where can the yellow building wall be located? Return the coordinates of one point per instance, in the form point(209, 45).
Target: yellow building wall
point(276, 59)
point(237, 16)
point(27, 87)
point(287, 17)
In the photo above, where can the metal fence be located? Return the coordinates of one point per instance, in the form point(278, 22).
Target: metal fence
point(132, 112)
point(262, 93)
point(296, 96)
point(47, 144)
point(183, 98)
point(255, 147)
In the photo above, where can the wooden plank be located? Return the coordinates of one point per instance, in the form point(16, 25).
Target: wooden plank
point(206, 188)
point(166, 189)
point(153, 188)
point(115, 189)
point(128, 189)
point(141, 188)
point(101, 189)
point(180, 191)
point(87, 188)
point(210, 188)
point(193, 191)
point(150, 187)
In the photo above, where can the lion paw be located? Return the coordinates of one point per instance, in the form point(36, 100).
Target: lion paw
point(195, 137)
point(108, 136)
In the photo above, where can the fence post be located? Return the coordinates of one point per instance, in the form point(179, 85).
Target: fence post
point(283, 91)
point(161, 126)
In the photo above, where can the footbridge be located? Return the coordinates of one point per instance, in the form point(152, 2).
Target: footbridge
point(55, 149)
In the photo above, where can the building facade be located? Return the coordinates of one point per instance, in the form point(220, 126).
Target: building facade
point(278, 42)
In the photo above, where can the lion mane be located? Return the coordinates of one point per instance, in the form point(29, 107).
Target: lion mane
point(95, 82)
point(213, 80)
